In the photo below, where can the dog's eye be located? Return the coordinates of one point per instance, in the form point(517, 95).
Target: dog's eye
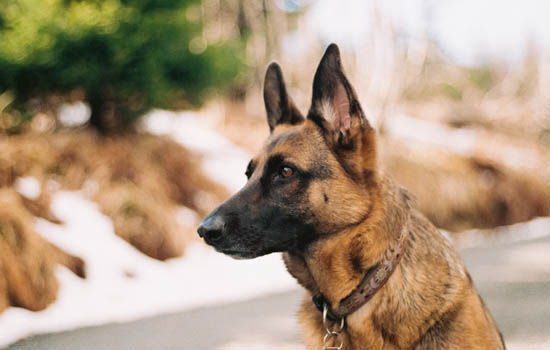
point(286, 171)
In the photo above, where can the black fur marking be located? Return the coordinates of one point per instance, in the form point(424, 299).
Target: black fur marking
point(345, 144)
point(386, 337)
point(318, 119)
point(319, 171)
point(389, 337)
point(250, 169)
point(356, 263)
point(348, 171)
point(325, 197)
point(278, 104)
point(271, 166)
point(232, 222)
point(254, 230)
point(283, 231)
point(328, 77)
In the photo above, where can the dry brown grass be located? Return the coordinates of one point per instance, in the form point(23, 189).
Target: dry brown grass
point(144, 221)
point(27, 263)
point(40, 207)
point(458, 192)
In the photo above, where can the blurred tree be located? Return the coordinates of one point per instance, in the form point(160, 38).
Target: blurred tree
point(126, 55)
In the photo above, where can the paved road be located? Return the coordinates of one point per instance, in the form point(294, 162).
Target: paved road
point(514, 280)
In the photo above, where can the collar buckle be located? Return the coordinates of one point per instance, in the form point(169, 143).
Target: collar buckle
point(333, 335)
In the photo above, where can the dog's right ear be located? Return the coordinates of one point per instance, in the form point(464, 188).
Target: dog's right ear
point(278, 104)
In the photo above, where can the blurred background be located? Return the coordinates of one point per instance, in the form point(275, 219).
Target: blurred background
point(124, 122)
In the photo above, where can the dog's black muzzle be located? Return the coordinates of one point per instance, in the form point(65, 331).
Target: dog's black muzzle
point(212, 228)
point(222, 230)
point(246, 225)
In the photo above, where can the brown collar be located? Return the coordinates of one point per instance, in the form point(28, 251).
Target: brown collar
point(373, 280)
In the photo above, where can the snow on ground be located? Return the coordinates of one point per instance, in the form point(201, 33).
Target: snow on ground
point(28, 186)
point(222, 160)
point(462, 141)
point(525, 231)
point(122, 283)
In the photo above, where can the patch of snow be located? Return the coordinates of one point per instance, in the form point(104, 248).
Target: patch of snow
point(462, 141)
point(525, 231)
point(74, 114)
point(28, 186)
point(123, 284)
point(90, 188)
point(222, 160)
point(52, 186)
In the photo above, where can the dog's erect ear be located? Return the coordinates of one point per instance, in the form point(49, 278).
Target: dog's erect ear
point(334, 104)
point(278, 104)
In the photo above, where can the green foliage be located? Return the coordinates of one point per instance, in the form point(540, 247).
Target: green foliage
point(127, 55)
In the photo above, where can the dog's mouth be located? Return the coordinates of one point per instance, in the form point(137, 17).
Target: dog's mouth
point(240, 254)
point(245, 247)
point(238, 251)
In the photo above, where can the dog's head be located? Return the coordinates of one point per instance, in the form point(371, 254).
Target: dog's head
point(313, 177)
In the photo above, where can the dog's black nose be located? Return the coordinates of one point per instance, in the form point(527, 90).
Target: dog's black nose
point(211, 228)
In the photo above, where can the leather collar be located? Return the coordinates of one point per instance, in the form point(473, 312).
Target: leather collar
point(374, 279)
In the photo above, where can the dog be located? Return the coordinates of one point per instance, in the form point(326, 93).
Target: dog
point(377, 273)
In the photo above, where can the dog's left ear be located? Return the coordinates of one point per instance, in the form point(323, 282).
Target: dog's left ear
point(278, 104)
point(334, 105)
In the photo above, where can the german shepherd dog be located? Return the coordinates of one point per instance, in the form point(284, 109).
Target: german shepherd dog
point(350, 236)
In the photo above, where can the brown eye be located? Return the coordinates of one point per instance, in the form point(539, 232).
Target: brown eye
point(286, 171)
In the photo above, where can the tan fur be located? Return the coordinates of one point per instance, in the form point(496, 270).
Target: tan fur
point(429, 302)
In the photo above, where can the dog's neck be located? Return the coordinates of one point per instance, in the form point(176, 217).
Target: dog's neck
point(326, 266)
